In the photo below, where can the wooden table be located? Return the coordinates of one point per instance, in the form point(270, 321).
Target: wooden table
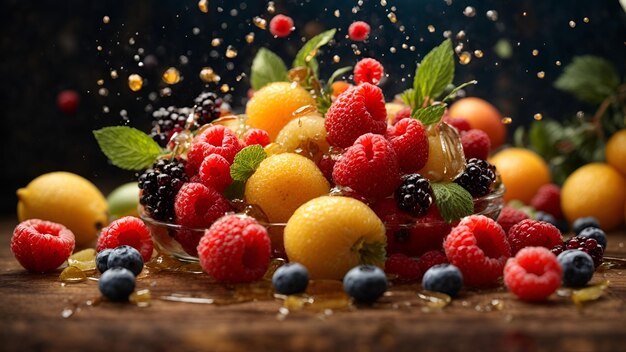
point(37, 312)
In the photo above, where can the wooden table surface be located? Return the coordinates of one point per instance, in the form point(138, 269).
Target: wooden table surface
point(38, 313)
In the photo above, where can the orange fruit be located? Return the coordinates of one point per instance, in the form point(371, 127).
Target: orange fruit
point(339, 87)
point(616, 151)
point(522, 172)
point(273, 106)
point(596, 190)
point(331, 235)
point(305, 135)
point(481, 115)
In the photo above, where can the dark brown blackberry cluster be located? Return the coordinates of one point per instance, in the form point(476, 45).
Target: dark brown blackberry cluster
point(478, 177)
point(585, 244)
point(414, 194)
point(208, 107)
point(168, 121)
point(159, 186)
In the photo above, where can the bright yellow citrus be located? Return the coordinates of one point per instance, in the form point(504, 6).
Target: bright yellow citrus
point(596, 190)
point(65, 198)
point(273, 106)
point(616, 151)
point(523, 173)
point(306, 136)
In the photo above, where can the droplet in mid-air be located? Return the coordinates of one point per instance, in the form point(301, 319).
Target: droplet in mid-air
point(541, 74)
point(135, 82)
point(392, 17)
point(271, 7)
point(231, 52)
point(171, 76)
point(250, 38)
point(572, 24)
point(207, 75)
point(465, 58)
point(586, 19)
point(106, 19)
point(535, 52)
point(492, 15)
point(538, 116)
point(479, 54)
point(203, 5)
point(224, 88)
point(431, 28)
point(114, 74)
point(215, 42)
point(507, 120)
point(259, 22)
point(336, 59)
point(469, 11)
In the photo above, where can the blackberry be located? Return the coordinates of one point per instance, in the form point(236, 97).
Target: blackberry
point(208, 106)
point(167, 121)
point(587, 245)
point(159, 186)
point(478, 177)
point(414, 194)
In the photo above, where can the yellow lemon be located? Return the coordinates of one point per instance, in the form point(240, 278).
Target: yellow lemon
point(306, 136)
point(65, 198)
point(523, 172)
point(616, 151)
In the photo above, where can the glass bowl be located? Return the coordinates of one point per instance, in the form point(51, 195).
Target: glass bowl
point(181, 242)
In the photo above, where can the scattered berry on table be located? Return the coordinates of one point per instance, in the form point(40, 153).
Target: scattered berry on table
point(130, 231)
point(479, 248)
point(478, 177)
point(476, 144)
point(533, 233)
point(166, 122)
point(159, 186)
point(281, 26)
point(546, 217)
point(235, 249)
point(198, 206)
point(41, 246)
point(577, 267)
point(358, 31)
point(460, 124)
point(256, 136)
point(215, 172)
point(207, 107)
point(409, 140)
point(444, 278)
point(216, 139)
point(414, 194)
point(125, 257)
point(533, 274)
point(587, 245)
point(290, 279)
point(368, 70)
point(583, 223)
point(510, 216)
point(548, 199)
point(432, 258)
point(404, 267)
point(370, 167)
point(595, 233)
point(102, 259)
point(116, 284)
point(365, 283)
point(359, 110)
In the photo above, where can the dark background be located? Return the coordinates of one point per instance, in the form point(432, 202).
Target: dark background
point(48, 46)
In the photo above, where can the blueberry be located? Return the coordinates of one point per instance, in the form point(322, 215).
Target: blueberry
point(582, 223)
point(125, 257)
point(365, 283)
point(444, 278)
point(577, 267)
point(549, 218)
point(102, 259)
point(116, 284)
point(595, 233)
point(290, 279)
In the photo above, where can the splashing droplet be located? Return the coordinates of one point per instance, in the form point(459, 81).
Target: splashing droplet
point(479, 54)
point(541, 74)
point(507, 120)
point(203, 5)
point(231, 52)
point(171, 76)
point(392, 17)
point(259, 22)
point(114, 74)
point(558, 63)
point(208, 75)
point(135, 82)
point(460, 35)
point(469, 11)
point(224, 88)
point(538, 117)
point(271, 7)
point(535, 52)
point(465, 58)
point(337, 13)
point(586, 19)
point(106, 19)
point(572, 24)
point(492, 15)
point(336, 59)
point(250, 38)
point(431, 28)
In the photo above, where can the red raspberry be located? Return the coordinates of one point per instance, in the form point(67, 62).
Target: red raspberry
point(130, 231)
point(476, 144)
point(281, 26)
point(198, 206)
point(357, 111)
point(404, 113)
point(510, 216)
point(432, 258)
point(67, 101)
point(326, 165)
point(409, 140)
point(215, 172)
point(548, 199)
point(460, 124)
point(256, 136)
point(429, 232)
point(359, 31)
point(41, 246)
point(189, 239)
point(406, 268)
point(370, 167)
point(368, 71)
point(478, 247)
point(533, 275)
point(533, 233)
point(397, 225)
point(216, 139)
point(235, 249)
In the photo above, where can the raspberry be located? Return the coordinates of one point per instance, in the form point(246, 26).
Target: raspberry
point(368, 70)
point(216, 139)
point(478, 177)
point(256, 136)
point(358, 31)
point(478, 247)
point(235, 249)
point(198, 206)
point(41, 246)
point(281, 26)
point(587, 245)
point(188, 240)
point(432, 258)
point(208, 107)
point(167, 121)
point(159, 186)
point(460, 124)
point(406, 268)
point(215, 172)
point(533, 275)
point(409, 140)
point(532, 233)
point(476, 144)
point(510, 216)
point(414, 194)
point(396, 223)
point(130, 231)
point(67, 101)
point(327, 164)
point(359, 110)
point(428, 232)
point(548, 199)
point(369, 167)
point(404, 113)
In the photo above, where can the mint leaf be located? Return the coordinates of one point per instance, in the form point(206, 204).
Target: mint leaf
point(338, 73)
point(246, 162)
point(408, 97)
point(434, 73)
point(456, 89)
point(453, 201)
point(589, 78)
point(430, 114)
point(267, 67)
point(306, 56)
point(127, 148)
point(235, 190)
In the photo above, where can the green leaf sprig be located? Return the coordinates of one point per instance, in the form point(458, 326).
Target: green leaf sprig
point(453, 201)
point(127, 148)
